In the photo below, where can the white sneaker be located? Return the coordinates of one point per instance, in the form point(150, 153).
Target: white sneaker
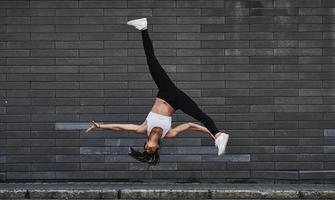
point(138, 23)
point(221, 143)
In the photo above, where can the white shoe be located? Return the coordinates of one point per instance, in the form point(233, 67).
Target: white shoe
point(221, 143)
point(138, 23)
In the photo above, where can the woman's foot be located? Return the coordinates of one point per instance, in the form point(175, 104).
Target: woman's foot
point(221, 142)
point(140, 24)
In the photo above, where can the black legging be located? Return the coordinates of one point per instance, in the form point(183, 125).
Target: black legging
point(169, 91)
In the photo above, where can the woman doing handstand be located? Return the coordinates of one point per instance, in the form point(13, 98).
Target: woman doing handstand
point(168, 99)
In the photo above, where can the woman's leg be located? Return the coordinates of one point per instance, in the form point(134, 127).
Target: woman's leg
point(188, 106)
point(162, 80)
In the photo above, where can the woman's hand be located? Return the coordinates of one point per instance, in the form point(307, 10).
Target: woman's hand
point(93, 126)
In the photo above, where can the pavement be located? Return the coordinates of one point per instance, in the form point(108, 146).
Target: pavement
point(158, 190)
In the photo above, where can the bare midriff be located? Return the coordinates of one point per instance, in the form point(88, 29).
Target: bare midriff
point(162, 107)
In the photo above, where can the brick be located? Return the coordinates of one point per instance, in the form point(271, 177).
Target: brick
point(14, 53)
point(79, 12)
point(316, 124)
point(14, 4)
point(103, 20)
point(316, 11)
point(274, 92)
point(315, 43)
point(14, 20)
point(267, 174)
point(201, 68)
point(273, 11)
point(298, 52)
point(299, 149)
point(224, 60)
point(54, 20)
point(316, 27)
point(316, 174)
point(30, 12)
point(248, 4)
point(245, 117)
point(273, 27)
point(30, 28)
point(329, 132)
point(224, 44)
point(316, 108)
point(151, 4)
point(127, 12)
point(297, 68)
point(249, 20)
point(224, 76)
point(298, 116)
point(298, 100)
point(299, 35)
point(79, 28)
point(79, 61)
point(274, 108)
point(54, 36)
point(248, 52)
point(273, 76)
point(224, 28)
point(249, 36)
point(316, 59)
point(273, 60)
point(249, 84)
point(53, 4)
point(102, 4)
point(316, 92)
point(200, 52)
point(176, 28)
point(30, 61)
point(249, 100)
point(248, 68)
point(297, 84)
point(105, 52)
point(14, 36)
point(299, 20)
point(200, 20)
point(30, 44)
point(224, 12)
point(328, 51)
point(297, 3)
point(54, 53)
point(80, 45)
point(273, 44)
point(328, 3)
point(176, 12)
point(226, 174)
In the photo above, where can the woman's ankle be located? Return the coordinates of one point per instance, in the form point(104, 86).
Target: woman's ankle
point(217, 135)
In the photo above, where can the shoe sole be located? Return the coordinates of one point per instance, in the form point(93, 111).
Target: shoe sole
point(135, 20)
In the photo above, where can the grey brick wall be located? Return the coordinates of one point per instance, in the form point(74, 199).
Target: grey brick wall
point(263, 70)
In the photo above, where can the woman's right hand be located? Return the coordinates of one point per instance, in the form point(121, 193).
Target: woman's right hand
point(93, 126)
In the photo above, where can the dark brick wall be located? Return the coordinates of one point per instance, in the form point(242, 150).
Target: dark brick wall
point(263, 70)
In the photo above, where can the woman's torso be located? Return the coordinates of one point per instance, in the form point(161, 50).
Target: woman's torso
point(161, 107)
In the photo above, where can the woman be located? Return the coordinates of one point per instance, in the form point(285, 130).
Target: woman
point(168, 99)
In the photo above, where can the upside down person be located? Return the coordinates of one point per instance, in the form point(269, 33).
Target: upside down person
point(169, 98)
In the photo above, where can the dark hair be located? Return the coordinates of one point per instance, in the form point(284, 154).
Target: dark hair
point(144, 156)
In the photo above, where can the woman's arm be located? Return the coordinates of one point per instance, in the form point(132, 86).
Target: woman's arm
point(185, 127)
point(116, 127)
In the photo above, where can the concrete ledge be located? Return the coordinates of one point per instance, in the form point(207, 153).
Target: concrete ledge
point(107, 190)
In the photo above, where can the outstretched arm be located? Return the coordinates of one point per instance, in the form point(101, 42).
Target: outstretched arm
point(186, 127)
point(115, 127)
